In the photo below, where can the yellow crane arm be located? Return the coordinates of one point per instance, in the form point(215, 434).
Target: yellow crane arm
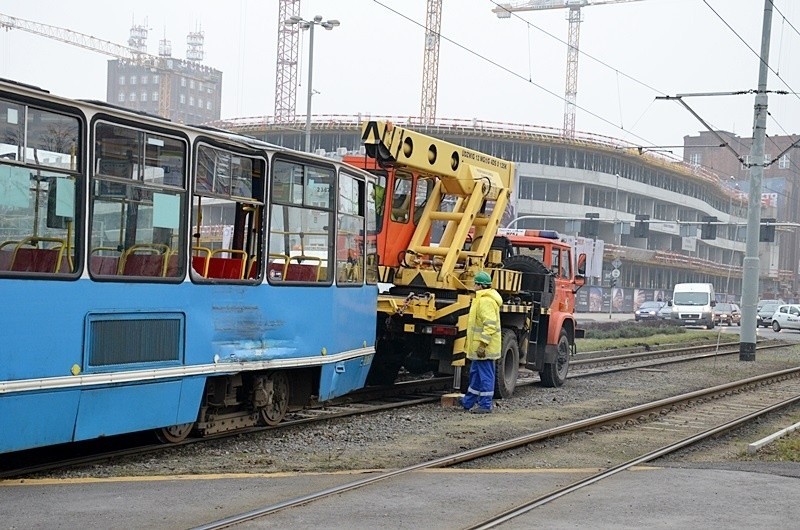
point(459, 168)
point(470, 177)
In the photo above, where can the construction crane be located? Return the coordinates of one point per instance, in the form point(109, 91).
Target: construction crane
point(132, 54)
point(430, 69)
point(135, 54)
point(574, 17)
point(288, 53)
point(286, 68)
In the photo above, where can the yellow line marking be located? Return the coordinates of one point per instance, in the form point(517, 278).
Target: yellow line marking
point(218, 476)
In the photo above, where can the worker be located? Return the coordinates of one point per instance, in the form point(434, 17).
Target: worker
point(379, 193)
point(483, 345)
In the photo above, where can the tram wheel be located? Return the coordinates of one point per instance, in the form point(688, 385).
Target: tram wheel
point(174, 434)
point(277, 399)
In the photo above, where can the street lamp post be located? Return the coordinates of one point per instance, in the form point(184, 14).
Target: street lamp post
point(309, 25)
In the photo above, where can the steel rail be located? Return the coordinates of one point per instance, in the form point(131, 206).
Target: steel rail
point(665, 450)
point(497, 447)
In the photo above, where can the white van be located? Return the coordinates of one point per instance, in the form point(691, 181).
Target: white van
point(693, 304)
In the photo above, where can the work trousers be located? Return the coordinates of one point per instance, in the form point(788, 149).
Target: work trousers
point(481, 384)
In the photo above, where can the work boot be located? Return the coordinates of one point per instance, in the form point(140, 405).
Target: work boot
point(481, 410)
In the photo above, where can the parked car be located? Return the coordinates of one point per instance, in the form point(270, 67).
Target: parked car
point(648, 311)
point(665, 313)
point(777, 301)
point(786, 317)
point(728, 314)
point(765, 312)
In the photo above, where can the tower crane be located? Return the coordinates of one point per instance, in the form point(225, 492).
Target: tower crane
point(288, 53)
point(574, 17)
point(163, 63)
point(430, 68)
point(286, 68)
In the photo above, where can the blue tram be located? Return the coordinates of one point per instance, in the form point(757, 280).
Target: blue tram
point(163, 277)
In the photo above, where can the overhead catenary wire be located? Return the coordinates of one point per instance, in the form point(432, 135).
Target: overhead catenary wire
point(510, 71)
point(647, 143)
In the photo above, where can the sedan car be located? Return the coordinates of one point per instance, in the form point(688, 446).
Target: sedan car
point(728, 314)
point(648, 311)
point(786, 317)
point(765, 312)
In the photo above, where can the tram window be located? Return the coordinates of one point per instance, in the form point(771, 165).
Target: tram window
point(227, 215)
point(300, 244)
point(40, 192)
point(138, 204)
point(350, 231)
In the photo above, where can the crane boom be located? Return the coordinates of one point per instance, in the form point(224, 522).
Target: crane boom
point(505, 10)
point(469, 177)
point(161, 63)
point(73, 37)
point(573, 38)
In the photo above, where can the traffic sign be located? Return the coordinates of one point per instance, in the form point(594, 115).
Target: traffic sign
point(615, 273)
point(616, 263)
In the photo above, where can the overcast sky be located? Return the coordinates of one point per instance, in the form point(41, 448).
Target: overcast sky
point(505, 70)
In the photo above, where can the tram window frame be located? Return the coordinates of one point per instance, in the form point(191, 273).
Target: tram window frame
point(374, 221)
point(240, 231)
point(294, 201)
point(42, 180)
point(350, 227)
point(150, 172)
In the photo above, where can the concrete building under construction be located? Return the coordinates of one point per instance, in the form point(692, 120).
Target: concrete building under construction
point(183, 90)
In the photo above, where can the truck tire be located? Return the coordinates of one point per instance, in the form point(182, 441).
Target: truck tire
point(507, 366)
point(554, 374)
point(535, 277)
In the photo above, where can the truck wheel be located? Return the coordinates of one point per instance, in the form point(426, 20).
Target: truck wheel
point(507, 366)
point(554, 374)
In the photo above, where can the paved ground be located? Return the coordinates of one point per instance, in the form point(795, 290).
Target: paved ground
point(753, 496)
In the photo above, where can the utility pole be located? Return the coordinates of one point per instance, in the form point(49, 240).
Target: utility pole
point(747, 337)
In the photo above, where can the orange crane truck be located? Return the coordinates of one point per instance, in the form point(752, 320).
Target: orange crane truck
point(431, 185)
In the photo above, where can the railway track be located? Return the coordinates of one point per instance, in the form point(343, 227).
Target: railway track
point(681, 420)
point(584, 363)
point(365, 401)
point(368, 400)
